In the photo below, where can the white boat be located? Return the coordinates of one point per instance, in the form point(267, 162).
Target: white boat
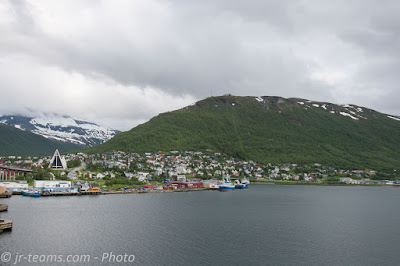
point(238, 184)
point(245, 182)
point(215, 186)
point(226, 185)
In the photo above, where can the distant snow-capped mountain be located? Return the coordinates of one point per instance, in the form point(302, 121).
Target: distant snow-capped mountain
point(61, 128)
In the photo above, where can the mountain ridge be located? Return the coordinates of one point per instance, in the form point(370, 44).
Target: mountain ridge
point(14, 141)
point(61, 128)
point(271, 129)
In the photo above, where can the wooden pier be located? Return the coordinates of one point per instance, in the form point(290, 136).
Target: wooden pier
point(48, 194)
point(6, 195)
point(3, 207)
point(91, 192)
point(5, 225)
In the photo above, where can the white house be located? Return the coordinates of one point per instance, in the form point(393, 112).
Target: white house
point(72, 175)
point(141, 176)
point(129, 175)
point(181, 178)
point(346, 180)
point(100, 176)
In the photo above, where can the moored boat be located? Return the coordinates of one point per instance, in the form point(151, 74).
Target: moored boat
point(239, 185)
point(226, 185)
point(245, 182)
point(31, 193)
point(215, 187)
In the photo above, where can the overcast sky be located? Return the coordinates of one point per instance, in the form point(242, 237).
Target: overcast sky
point(119, 63)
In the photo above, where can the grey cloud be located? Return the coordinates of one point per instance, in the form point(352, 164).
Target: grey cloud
point(192, 49)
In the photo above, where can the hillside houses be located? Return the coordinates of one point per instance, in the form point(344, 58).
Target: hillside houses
point(192, 165)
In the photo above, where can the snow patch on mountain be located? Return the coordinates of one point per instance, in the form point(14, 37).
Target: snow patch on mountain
point(395, 118)
point(354, 112)
point(349, 115)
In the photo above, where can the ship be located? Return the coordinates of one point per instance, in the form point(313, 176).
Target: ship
point(245, 182)
point(226, 185)
point(31, 193)
point(239, 184)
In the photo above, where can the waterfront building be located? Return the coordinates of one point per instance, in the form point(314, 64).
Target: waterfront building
point(85, 186)
point(210, 183)
point(56, 185)
point(14, 185)
point(179, 184)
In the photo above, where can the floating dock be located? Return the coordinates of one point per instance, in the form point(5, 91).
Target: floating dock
point(5, 225)
point(3, 207)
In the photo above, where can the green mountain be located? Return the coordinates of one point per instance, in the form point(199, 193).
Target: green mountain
point(271, 129)
point(14, 141)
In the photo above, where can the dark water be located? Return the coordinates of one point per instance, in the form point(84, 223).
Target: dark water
point(266, 224)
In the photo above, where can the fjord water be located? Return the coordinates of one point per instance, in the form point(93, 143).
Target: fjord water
point(265, 224)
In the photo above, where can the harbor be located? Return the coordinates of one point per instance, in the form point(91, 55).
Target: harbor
point(54, 188)
point(70, 193)
point(158, 228)
point(123, 191)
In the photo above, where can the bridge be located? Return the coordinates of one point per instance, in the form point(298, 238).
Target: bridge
point(9, 172)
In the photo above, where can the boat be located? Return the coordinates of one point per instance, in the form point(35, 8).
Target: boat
point(226, 185)
point(245, 182)
point(31, 193)
point(238, 184)
point(214, 187)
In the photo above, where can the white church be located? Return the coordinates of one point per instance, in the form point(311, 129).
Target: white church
point(57, 162)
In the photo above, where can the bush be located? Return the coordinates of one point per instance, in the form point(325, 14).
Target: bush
point(74, 163)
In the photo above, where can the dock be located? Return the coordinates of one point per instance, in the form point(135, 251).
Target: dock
point(49, 194)
point(3, 207)
point(5, 225)
point(6, 195)
point(91, 192)
point(71, 193)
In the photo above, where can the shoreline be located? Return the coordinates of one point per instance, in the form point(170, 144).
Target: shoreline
point(155, 191)
point(319, 184)
point(134, 191)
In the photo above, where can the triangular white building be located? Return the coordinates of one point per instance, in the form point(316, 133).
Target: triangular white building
point(57, 162)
